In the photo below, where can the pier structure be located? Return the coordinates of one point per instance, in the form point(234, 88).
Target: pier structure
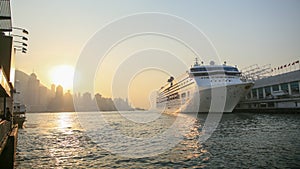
point(8, 131)
point(277, 93)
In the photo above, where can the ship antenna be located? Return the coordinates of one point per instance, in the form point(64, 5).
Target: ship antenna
point(196, 62)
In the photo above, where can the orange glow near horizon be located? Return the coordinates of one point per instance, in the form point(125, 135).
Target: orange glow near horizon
point(143, 86)
point(62, 75)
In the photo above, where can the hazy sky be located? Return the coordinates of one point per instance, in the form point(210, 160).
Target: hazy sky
point(244, 32)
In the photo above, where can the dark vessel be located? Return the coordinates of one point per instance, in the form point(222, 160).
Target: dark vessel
point(19, 114)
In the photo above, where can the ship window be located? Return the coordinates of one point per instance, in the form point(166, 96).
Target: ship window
point(268, 91)
point(231, 69)
point(183, 95)
point(226, 68)
point(260, 93)
point(275, 88)
point(254, 94)
point(295, 87)
point(200, 74)
point(198, 69)
point(285, 87)
point(232, 73)
point(177, 96)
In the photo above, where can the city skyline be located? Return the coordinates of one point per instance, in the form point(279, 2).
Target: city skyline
point(38, 98)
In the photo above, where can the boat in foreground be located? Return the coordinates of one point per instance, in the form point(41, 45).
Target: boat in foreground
point(194, 91)
point(19, 114)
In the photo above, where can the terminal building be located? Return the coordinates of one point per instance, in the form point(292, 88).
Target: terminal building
point(278, 93)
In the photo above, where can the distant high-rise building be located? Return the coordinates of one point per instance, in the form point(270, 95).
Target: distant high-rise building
point(86, 98)
point(59, 92)
point(52, 94)
point(43, 99)
point(57, 103)
point(32, 92)
point(121, 104)
point(68, 102)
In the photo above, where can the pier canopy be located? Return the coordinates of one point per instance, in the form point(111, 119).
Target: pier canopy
point(5, 16)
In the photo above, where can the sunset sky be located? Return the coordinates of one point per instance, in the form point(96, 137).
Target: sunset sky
point(243, 32)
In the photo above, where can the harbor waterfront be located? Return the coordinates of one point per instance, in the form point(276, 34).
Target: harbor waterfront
point(90, 84)
point(57, 140)
point(278, 93)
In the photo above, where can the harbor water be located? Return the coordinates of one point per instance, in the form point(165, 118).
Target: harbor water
point(58, 140)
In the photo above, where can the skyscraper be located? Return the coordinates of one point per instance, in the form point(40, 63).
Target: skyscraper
point(32, 92)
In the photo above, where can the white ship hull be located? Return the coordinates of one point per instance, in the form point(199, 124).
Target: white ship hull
point(230, 95)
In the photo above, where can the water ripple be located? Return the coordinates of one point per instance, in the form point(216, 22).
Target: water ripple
point(56, 140)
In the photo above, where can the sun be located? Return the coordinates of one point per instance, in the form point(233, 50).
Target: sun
point(63, 75)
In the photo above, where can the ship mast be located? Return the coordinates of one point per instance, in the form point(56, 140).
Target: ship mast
point(196, 62)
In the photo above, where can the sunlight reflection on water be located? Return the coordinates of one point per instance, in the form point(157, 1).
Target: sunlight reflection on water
point(56, 140)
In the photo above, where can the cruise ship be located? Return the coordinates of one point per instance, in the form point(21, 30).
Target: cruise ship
point(193, 90)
